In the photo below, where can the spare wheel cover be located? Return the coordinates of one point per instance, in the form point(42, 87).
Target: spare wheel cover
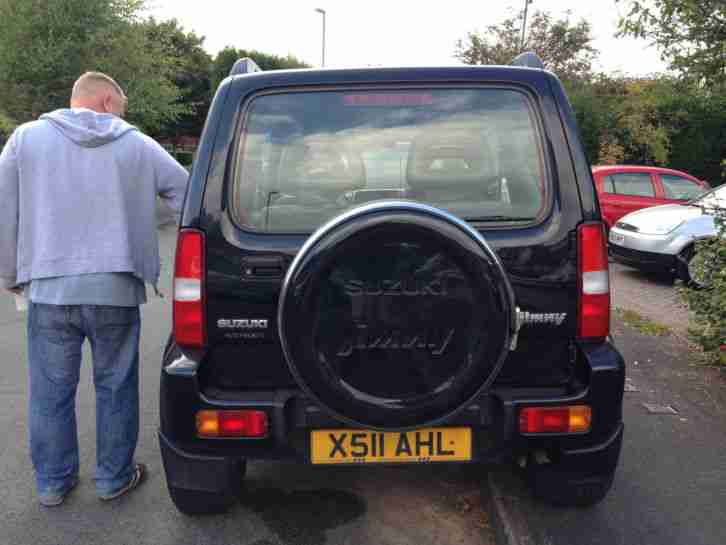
point(395, 315)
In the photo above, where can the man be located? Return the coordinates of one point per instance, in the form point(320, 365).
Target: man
point(78, 194)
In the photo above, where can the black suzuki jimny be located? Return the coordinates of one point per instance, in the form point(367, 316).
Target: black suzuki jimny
point(391, 266)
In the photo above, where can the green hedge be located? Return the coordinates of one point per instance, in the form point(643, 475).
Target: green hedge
point(186, 158)
point(708, 304)
point(7, 126)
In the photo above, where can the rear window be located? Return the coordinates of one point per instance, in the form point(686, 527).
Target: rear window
point(679, 188)
point(306, 157)
point(608, 185)
point(633, 184)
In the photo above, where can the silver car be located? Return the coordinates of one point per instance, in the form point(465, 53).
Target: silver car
point(662, 238)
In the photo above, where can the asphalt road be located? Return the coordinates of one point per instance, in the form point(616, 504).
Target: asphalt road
point(651, 295)
point(670, 488)
point(284, 504)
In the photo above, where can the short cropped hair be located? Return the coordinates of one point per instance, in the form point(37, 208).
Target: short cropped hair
point(89, 84)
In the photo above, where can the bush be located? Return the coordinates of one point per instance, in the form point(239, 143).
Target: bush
point(6, 129)
point(708, 303)
point(186, 158)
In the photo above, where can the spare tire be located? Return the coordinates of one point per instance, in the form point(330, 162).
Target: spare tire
point(395, 315)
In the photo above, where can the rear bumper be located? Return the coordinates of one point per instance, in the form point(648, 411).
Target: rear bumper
point(217, 474)
point(493, 419)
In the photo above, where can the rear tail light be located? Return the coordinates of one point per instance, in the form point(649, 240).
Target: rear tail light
point(189, 319)
point(593, 322)
point(232, 424)
point(574, 419)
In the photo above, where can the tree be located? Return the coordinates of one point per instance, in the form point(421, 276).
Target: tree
point(691, 35)
point(46, 44)
point(190, 68)
point(639, 129)
point(228, 56)
point(695, 119)
point(620, 121)
point(565, 48)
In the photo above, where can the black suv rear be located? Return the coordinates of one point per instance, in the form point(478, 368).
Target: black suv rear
point(391, 266)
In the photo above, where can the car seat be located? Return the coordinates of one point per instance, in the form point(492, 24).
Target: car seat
point(454, 165)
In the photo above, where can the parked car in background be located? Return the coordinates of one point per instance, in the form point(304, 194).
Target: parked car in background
point(662, 238)
point(624, 189)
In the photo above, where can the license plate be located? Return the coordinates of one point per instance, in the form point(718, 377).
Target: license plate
point(370, 447)
point(616, 238)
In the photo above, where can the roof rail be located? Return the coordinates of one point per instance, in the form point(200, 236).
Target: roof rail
point(244, 65)
point(528, 59)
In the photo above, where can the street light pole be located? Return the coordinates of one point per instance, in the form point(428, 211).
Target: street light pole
point(322, 11)
point(524, 24)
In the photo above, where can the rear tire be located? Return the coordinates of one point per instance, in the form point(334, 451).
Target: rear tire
point(197, 502)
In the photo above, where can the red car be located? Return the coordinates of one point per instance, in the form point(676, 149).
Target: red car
point(624, 189)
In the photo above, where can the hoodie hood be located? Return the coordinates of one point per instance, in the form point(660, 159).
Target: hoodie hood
point(88, 128)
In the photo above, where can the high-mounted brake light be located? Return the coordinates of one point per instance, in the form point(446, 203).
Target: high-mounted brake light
point(388, 99)
point(189, 319)
point(594, 284)
point(572, 419)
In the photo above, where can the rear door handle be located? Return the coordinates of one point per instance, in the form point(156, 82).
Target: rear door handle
point(263, 267)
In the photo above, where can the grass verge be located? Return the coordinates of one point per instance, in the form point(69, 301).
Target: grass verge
point(641, 324)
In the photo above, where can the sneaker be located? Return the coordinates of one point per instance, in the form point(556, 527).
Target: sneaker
point(54, 499)
point(137, 478)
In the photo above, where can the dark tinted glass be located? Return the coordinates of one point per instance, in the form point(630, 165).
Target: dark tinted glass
point(608, 185)
point(679, 188)
point(305, 157)
point(634, 184)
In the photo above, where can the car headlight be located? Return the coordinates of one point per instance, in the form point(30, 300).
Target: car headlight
point(662, 228)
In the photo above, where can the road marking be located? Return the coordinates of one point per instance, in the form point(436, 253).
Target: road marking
point(654, 408)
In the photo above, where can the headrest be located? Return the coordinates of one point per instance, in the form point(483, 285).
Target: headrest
point(322, 166)
point(440, 158)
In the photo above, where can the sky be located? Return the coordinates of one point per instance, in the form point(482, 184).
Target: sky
point(390, 32)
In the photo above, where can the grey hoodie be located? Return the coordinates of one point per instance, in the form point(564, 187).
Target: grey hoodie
point(78, 196)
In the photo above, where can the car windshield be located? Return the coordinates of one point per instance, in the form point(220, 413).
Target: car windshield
point(716, 198)
point(307, 156)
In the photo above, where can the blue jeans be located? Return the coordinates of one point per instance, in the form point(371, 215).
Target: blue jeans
point(55, 337)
